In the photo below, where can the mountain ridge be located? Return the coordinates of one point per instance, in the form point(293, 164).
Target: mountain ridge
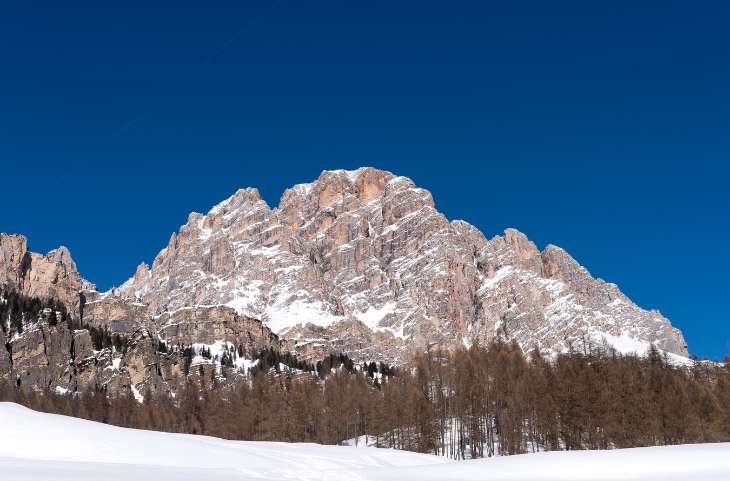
point(344, 261)
point(358, 262)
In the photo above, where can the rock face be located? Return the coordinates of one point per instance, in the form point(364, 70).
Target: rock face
point(51, 352)
point(61, 359)
point(362, 262)
point(53, 275)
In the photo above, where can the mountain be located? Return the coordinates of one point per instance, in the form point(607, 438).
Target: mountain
point(359, 262)
point(362, 262)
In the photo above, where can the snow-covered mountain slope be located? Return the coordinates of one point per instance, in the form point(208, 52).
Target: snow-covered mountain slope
point(362, 262)
point(36, 446)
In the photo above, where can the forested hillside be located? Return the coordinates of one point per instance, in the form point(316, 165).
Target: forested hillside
point(476, 402)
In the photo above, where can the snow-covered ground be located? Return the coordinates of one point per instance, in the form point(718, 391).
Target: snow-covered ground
point(36, 446)
point(39, 446)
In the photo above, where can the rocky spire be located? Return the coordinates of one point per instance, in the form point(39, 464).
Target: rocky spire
point(53, 275)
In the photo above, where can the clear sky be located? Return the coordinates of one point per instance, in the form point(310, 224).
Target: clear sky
point(602, 128)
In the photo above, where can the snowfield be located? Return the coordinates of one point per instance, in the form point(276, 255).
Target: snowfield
point(36, 446)
point(39, 446)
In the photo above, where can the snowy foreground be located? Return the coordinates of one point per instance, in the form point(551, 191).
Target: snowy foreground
point(36, 446)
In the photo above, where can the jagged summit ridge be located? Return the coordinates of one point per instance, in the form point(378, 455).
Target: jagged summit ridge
point(362, 261)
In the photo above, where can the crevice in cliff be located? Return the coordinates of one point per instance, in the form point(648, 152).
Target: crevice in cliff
point(82, 305)
point(25, 265)
point(10, 353)
point(72, 371)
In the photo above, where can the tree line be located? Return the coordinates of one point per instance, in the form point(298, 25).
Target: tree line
point(482, 401)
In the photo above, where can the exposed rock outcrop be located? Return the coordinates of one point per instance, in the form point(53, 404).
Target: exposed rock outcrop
point(63, 359)
point(48, 350)
point(53, 275)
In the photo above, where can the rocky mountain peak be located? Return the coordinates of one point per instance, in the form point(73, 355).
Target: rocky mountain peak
point(523, 247)
point(362, 261)
point(53, 275)
point(358, 261)
point(241, 198)
point(62, 255)
point(142, 273)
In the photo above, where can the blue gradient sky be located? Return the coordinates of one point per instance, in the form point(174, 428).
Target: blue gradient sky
point(602, 129)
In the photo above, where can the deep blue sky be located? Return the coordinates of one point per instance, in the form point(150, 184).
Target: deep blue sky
point(604, 129)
